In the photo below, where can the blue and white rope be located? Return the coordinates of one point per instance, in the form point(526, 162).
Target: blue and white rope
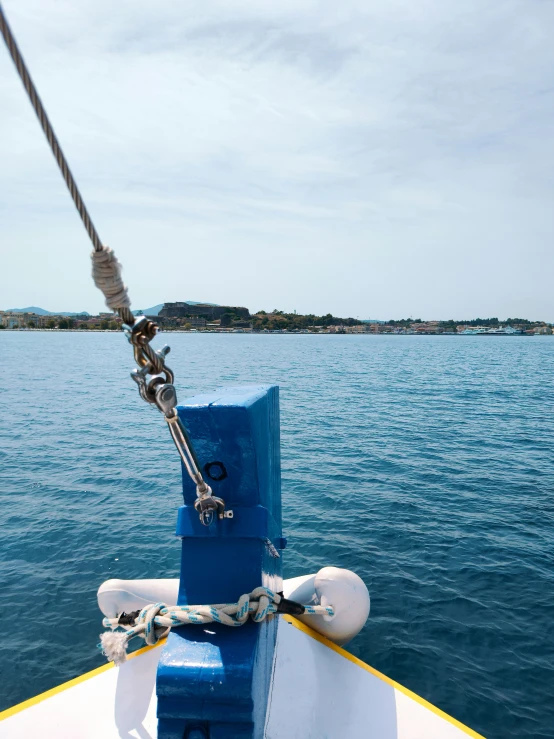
point(155, 621)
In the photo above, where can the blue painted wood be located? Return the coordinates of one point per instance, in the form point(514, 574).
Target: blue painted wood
point(216, 679)
point(255, 522)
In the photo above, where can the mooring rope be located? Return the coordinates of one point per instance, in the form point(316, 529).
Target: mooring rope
point(106, 273)
point(154, 622)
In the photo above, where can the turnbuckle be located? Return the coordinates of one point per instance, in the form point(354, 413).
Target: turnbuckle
point(155, 384)
point(206, 504)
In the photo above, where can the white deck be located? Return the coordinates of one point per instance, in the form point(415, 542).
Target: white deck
point(107, 703)
point(319, 691)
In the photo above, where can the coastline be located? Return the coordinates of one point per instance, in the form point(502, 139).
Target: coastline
point(264, 333)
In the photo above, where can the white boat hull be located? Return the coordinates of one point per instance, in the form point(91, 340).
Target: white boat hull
point(318, 690)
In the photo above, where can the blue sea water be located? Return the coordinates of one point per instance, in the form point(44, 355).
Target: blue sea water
point(425, 464)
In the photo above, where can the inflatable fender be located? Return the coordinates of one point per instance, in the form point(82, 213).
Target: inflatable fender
point(118, 596)
point(332, 586)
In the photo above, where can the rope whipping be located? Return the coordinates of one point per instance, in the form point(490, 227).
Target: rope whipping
point(154, 378)
point(106, 268)
point(155, 621)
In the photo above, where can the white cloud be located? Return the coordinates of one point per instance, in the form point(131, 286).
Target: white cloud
point(378, 160)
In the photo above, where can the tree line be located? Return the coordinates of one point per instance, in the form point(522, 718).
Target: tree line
point(451, 323)
point(277, 320)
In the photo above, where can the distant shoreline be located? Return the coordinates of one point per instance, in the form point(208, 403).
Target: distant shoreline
point(256, 333)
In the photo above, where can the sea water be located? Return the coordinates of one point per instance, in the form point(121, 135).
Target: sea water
point(424, 464)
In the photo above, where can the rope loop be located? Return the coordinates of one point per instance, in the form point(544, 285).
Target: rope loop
point(155, 621)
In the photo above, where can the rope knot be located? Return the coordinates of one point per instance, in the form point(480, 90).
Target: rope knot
point(155, 621)
point(147, 619)
point(106, 273)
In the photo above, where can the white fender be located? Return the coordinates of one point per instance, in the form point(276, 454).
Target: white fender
point(116, 596)
point(331, 586)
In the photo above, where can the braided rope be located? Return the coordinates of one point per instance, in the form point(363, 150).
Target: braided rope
point(106, 273)
point(155, 621)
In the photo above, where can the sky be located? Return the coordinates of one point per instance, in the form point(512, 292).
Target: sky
point(379, 159)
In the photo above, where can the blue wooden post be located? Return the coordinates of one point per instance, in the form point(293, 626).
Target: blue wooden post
point(213, 681)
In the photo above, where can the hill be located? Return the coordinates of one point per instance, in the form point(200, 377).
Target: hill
point(155, 310)
point(149, 311)
point(41, 312)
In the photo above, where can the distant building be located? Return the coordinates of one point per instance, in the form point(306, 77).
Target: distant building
point(382, 328)
point(10, 320)
point(196, 322)
point(22, 320)
point(430, 327)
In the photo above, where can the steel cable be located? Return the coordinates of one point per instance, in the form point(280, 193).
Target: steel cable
point(124, 311)
point(48, 130)
point(106, 268)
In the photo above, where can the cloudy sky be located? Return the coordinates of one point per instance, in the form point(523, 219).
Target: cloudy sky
point(375, 158)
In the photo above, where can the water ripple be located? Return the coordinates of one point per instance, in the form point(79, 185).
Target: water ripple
point(425, 464)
